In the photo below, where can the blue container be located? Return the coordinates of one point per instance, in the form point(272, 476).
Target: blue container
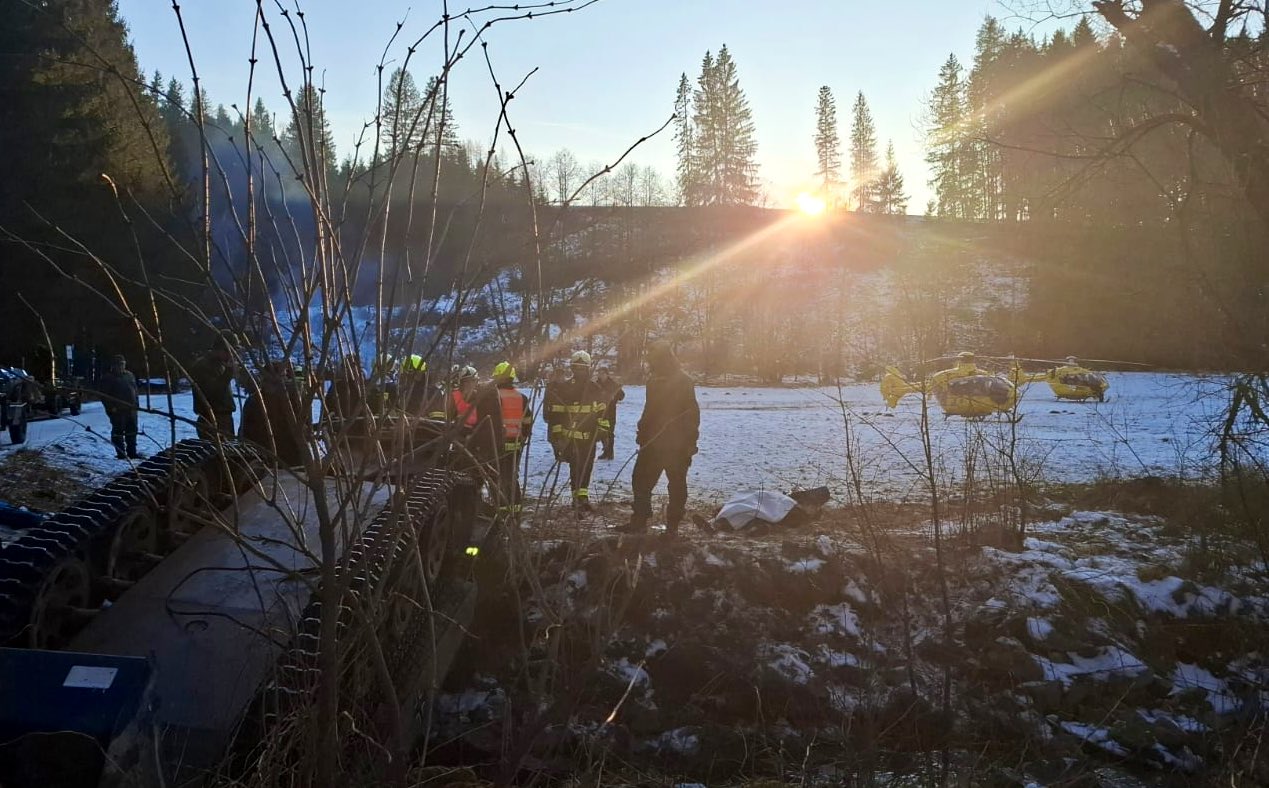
point(60, 712)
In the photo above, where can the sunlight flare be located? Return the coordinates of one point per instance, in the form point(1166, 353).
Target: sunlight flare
point(809, 204)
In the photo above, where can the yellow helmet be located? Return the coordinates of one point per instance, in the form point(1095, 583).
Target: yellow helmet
point(504, 371)
point(580, 359)
point(414, 363)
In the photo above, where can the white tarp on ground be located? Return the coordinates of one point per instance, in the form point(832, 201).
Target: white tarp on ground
point(763, 505)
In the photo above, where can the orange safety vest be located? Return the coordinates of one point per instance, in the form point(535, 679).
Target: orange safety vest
point(512, 414)
point(466, 413)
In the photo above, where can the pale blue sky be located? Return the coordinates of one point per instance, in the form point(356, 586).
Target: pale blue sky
point(607, 74)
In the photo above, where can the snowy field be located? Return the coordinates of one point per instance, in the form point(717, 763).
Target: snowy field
point(778, 438)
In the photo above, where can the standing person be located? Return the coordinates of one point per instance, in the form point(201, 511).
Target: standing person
point(577, 405)
point(613, 393)
point(504, 421)
point(461, 409)
point(421, 397)
point(667, 434)
point(119, 394)
point(270, 414)
point(212, 376)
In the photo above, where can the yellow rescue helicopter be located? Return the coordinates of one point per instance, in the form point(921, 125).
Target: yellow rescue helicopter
point(963, 390)
point(1072, 379)
point(1069, 380)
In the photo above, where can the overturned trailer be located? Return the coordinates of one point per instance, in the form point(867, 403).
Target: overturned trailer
point(167, 629)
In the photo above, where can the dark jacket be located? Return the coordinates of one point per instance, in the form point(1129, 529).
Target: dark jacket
point(273, 410)
point(613, 392)
point(671, 418)
point(212, 381)
point(118, 391)
point(573, 410)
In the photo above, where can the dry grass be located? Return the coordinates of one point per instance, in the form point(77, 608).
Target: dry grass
point(28, 479)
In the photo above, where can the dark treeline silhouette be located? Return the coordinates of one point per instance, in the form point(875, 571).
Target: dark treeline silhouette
point(1155, 244)
point(84, 146)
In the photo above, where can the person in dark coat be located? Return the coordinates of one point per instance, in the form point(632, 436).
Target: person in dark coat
point(118, 391)
point(212, 377)
point(613, 393)
point(667, 434)
point(271, 413)
point(575, 407)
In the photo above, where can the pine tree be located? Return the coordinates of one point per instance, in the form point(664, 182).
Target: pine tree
point(401, 116)
point(308, 141)
point(828, 154)
point(223, 120)
point(944, 140)
point(1082, 34)
point(173, 109)
point(863, 155)
point(705, 120)
point(686, 173)
point(890, 196)
point(440, 123)
point(984, 116)
point(724, 149)
point(261, 123)
point(738, 149)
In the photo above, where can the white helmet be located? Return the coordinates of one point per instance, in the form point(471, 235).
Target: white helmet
point(580, 358)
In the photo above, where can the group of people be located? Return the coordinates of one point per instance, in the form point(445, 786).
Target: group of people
point(580, 411)
point(211, 375)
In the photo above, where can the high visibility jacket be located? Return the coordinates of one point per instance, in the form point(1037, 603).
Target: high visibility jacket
point(575, 410)
point(516, 418)
point(464, 411)
point(512, 414)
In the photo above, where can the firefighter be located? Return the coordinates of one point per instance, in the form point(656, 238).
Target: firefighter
point(420, 396)
point(212, 376)
point(576, 406)
point(667, 434)
point(613, 393)
point(504, 422)
point(460, 408)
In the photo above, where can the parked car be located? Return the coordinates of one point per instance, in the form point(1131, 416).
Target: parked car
point(65, 394)
point(19, 393)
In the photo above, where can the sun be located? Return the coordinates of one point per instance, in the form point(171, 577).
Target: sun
point(809, 204)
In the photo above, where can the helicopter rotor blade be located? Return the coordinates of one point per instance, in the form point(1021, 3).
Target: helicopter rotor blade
point(1116, 363)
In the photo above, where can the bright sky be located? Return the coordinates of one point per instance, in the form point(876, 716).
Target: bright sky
point(606, 74)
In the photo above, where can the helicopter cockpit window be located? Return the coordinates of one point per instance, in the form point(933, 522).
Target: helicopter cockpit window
point(1089, 380)
point(990, 386)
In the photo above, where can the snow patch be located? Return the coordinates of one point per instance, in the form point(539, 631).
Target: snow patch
point(804, 566)
point(1109, 661)
point(1095, 735)
point(839, 619)
point(788, 661)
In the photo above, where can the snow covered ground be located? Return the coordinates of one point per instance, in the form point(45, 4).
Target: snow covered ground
point(779, 438)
